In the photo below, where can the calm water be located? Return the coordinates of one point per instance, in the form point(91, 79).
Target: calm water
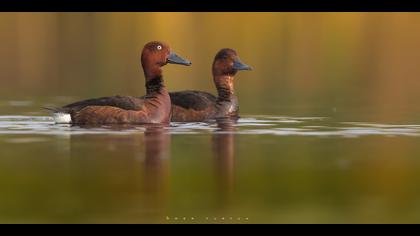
point(262, 168)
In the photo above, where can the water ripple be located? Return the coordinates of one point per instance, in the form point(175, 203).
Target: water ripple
point(248, 125)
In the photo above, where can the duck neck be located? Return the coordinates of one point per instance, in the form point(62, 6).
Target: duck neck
point(154, 85)
point(224, 86)
point(154, 81)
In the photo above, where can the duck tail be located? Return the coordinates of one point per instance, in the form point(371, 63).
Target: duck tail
point(60, 115)
point(52, 109)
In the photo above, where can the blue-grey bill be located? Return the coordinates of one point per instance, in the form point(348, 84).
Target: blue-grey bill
point(175, 59)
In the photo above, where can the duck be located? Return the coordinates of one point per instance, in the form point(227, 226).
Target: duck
point(153, 108)
point(198, 106)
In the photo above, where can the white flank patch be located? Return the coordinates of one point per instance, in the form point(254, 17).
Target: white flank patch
point(62, 118)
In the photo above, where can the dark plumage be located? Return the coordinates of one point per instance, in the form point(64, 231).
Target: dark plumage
point(123, 102)
point(155, 107)
point(195, 100)
point(193, 106)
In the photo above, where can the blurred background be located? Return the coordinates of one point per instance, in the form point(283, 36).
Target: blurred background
point(353, 66)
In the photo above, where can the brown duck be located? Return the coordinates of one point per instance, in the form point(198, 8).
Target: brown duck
point(194, 106)
point(154, 107)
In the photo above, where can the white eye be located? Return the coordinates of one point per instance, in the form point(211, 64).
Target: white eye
point(159, 47)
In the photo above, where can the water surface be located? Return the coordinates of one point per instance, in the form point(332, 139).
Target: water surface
point(261, 168)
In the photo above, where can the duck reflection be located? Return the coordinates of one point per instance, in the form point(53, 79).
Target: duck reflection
point(129, 168)
point(223, 141)
point(157, 142)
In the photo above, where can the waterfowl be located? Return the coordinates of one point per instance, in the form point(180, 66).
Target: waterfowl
point(194, 106)
point(154, 107)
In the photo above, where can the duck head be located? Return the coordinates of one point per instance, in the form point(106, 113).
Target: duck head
point(156, 54)
point(227, 63)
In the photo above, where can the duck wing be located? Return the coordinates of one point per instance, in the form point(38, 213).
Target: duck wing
point(122, 102)
point(195, 100)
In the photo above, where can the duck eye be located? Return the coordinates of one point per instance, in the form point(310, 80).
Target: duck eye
point(159, 47)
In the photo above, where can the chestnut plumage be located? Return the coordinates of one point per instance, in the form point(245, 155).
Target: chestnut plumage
point(194, 106)
point(154, 107)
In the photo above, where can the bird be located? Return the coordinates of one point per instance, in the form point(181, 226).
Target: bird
point(153, 108)
point(197, 106)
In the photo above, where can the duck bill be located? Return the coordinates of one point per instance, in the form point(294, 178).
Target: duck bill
point(238, 65)
point(175, 59)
